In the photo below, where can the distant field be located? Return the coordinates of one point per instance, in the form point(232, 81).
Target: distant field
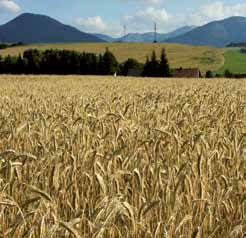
point(206, 58)
point(235, 61)
point(99, 157)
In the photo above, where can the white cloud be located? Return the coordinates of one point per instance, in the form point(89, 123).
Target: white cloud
point(96, 24)
point(212, 12)
point(143, 20)
point(92, 24)
point(218, 10)
point(9, 6)
point(149, 2)
point(149, 14)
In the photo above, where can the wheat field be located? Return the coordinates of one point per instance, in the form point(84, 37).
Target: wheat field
point(179, 55)
point(122, 158)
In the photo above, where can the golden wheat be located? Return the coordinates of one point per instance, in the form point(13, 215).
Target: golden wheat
point(122, 158)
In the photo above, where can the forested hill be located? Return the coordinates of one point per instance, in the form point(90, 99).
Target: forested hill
point(217, 33)
point(35, 28)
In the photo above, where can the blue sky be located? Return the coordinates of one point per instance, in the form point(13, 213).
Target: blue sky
point(109, 16)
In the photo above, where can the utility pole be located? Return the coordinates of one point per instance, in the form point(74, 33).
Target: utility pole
point(155, 33)
point(124, 33)
point(124, 30)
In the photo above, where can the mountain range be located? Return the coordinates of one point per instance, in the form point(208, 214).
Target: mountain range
point(146, 37)
point(35, 28)
point(216, 33)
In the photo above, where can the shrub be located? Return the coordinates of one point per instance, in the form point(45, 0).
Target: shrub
point(228, 74)
point(209, 74)
point(129, 64)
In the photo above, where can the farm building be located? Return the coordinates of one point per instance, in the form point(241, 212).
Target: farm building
point(186, 73)
point(134, 72)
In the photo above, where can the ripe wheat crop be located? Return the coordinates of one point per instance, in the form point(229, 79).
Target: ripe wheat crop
point(122, 158)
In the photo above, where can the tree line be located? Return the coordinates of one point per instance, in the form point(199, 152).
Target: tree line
point(239, 44)
point(226, 74)
point(5, 45)
point(63, 62)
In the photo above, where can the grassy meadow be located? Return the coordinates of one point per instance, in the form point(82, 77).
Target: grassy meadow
point(203, 57)
point(235, 62)
point(122, 158)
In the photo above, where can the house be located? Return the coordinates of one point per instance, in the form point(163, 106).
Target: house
point(187, 73)
point(135, 72)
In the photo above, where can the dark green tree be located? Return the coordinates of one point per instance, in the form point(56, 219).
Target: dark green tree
point(218, 75)
point(129, 64)
point(146, 69)
point(152, 67)
point(8, 64)
point(1, 65)
point(51, 62)
point(109, 64)
point(100, 65)
point(20, 66)
point(88, 63)
point(34, 59)
point(228, 74)
point(67, 62)
point(209, 74)
point(164, 70)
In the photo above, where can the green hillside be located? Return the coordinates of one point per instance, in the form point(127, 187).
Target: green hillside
point(235, 62)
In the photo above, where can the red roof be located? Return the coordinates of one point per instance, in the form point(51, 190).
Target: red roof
point(186, 73)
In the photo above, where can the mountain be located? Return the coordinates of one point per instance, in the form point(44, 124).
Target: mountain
point(216, 33)
point(140, 37)
point(104, 37)
point(180, 31)
point(146, 37)
point(34, 28)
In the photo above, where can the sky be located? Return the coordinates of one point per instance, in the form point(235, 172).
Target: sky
point(109, 16)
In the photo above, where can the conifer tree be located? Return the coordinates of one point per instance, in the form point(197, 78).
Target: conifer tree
point(146, 70)
point(154, 66)
point(109, 63)
point(164, 65)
